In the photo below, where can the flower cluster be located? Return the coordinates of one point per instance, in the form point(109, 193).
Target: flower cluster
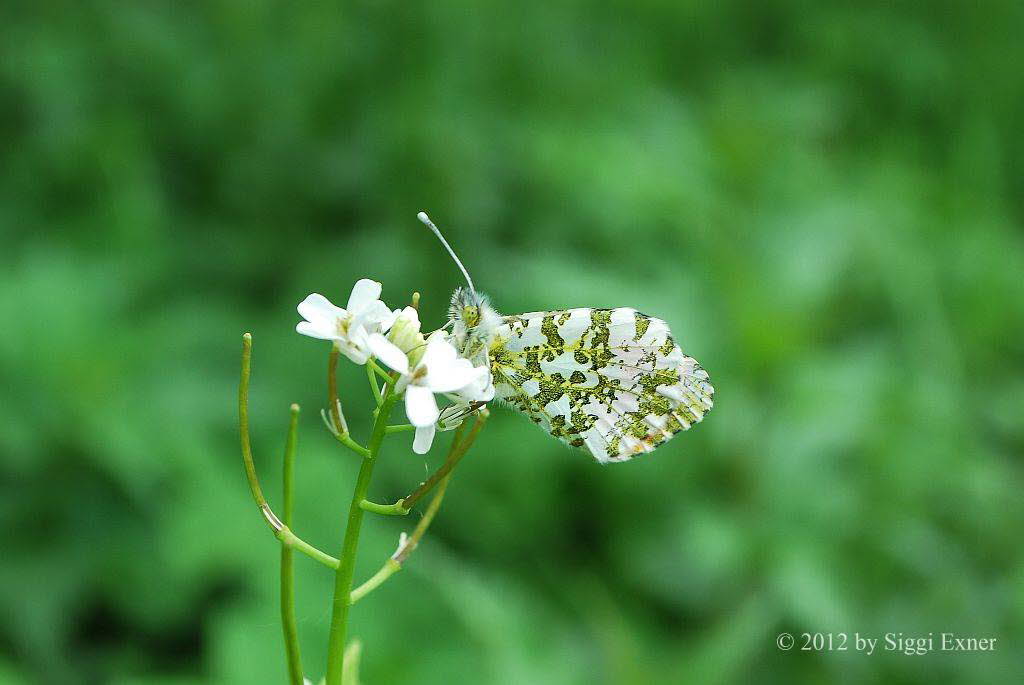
point(368, 330)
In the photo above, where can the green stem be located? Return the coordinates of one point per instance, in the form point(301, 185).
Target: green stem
point(421, 528)
point(243, 422)
point(290, 539)
point(374, 387)
point(352, 656)
point(370, 364)
point(346, 568)
point(291, 632)
point(390, 568)
point(281, 531)
point(400, 428)
point(395, 509)
point(348, 442)
point(394, 564)
point(243, 431)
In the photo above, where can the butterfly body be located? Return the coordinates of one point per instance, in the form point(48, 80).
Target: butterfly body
point(612, 381)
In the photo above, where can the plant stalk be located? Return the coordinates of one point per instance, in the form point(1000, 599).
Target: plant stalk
point(347, 559)
point(394, 564)
point(291, 632)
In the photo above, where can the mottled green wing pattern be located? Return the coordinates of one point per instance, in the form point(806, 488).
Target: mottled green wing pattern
point(611, 380)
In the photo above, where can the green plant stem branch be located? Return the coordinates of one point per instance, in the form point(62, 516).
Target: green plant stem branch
point(385, 376)
point(394, 564)
point(395, 509)
point(243, 431)
point(280, 530)
point(421, 528)
point(291, 632)
point(290, 539)
point(346, 567)
point(390, 568)
point(374, 387)
point(346, 440)
point(455, 454)
point(400, 428)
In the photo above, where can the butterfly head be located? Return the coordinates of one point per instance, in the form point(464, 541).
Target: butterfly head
point(472, 315)
point(466, 306)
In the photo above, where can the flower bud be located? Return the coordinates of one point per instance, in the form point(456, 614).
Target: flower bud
point(406, 336)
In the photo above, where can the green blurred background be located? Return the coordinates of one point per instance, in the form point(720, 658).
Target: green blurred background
point(825, 202)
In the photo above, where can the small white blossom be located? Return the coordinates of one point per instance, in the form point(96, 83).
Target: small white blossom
point(349, 328)
point(440, 370)
point(464, 402)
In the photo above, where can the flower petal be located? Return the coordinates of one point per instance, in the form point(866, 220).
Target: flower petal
point(439, 334)
point(455, 376)
point(481, 390)
point(388, 352)
point(411, 315)
point(420, 406)
point(439, 353)
point(364, 293)
point(316, 308)
point(424, 439)
point(402, 383)
point(485, 393)
point(355, 353)
point(376, 316)
point(314, 330)
point(386, 322)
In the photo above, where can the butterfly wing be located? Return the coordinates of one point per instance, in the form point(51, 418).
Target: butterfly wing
point(611, 380)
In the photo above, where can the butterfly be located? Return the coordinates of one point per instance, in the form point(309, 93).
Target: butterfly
point(611, 381)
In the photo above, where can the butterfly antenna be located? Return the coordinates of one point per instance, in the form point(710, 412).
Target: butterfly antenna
point(422, 216)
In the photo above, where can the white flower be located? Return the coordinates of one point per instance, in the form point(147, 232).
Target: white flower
point(349, 328)
point(439, 370)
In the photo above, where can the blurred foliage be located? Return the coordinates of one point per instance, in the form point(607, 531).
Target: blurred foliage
point(825, 202)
